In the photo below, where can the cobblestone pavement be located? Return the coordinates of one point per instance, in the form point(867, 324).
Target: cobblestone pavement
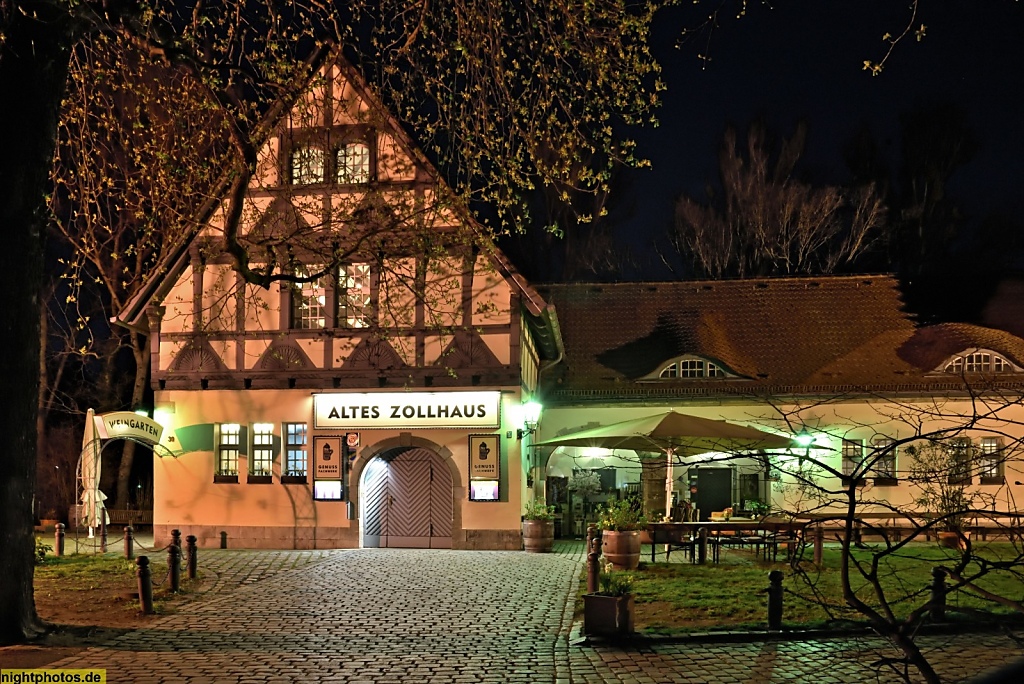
point(388, 616)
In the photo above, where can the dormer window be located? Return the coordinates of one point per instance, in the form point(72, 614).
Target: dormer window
point(307, 165)
point(979, 361)
point(692, 367)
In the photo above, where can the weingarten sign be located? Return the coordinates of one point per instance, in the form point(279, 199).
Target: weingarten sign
point(129, 424)
point(407, 409)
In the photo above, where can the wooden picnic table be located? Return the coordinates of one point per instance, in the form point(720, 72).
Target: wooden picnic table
point(696, 536)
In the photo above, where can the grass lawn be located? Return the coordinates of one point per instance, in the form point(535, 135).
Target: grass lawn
point(674, 597)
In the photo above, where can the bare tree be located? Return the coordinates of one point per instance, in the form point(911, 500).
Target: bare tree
point(764, 221)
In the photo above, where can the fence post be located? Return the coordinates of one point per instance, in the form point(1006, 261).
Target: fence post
point(58, 539)
point(129, 546)
point(775, 600)
point(142, 571)
point(174, 565)
point(937, 611)
point(192, 562)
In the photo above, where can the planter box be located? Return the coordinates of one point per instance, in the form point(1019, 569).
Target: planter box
point(607, 615)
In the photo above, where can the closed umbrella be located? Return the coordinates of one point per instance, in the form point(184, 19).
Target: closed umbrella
point(89, 466)
point(674, 434)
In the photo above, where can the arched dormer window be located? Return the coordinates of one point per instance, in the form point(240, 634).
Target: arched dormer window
point(691, 367)
point(979, 361)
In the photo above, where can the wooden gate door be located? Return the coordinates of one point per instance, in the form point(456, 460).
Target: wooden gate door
point(408, 501)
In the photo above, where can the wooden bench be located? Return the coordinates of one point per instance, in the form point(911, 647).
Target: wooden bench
point(123, 517)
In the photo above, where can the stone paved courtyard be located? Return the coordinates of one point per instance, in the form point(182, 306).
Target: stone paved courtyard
point(379, 615)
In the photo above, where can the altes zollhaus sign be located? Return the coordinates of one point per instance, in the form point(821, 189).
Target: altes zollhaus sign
point(407, 409)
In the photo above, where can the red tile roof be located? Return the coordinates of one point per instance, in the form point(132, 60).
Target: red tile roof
point(796, 335)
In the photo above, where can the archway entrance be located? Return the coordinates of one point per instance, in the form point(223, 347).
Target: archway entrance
point(407, 500)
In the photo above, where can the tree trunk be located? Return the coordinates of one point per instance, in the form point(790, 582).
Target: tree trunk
point(140, 351)
point(33, 67)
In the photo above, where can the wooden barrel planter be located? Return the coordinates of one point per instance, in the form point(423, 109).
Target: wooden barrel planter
point(538, 536)
point(621, 549)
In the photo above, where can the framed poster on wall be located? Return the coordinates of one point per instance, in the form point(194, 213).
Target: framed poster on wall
point(328, 469)
point(484, 467)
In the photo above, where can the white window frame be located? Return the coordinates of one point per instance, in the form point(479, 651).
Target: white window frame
point(309, 302)
point(352, 163)
point(990, 460)
point(852, 453)
point(355, 295)
point(296, 461)
point(229, 436)
point(884, 467)
point(261, 458)
point(692, 368)
point(307, 165)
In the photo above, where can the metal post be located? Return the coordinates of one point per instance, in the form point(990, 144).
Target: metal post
point(58, 539)
point(775, 600)
point(103, 533)
point(192, 561)
point(176, 538)
point(174, 565)
point(593, 551)
point(819, 544)
point(142, 572)
point(702, 545)
point(129, 543)
point(937, 612)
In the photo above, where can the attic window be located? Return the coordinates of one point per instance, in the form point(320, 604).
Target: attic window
point(692, 367)
point(979, 361)
point(307, 165)
point(352, 162)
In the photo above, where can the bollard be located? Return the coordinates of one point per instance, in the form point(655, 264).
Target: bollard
point(702, 545)
point(223, 540)
point(103, 534)
point(819, 544)
point(58, 539)
point(129, 543)
point(593, 568)
point(191, 562)
point(145, 585)
point(937, 610)
point(775, 600)
point(174, 566)
point(176, 538)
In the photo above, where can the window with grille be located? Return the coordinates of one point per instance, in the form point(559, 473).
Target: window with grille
point(692, 368)
point(853, 456)
point(295, 450)
point(355, 303)
point(990, 460)
point(261, 461)
point(353, 163)
point(309, 302)
point(960, 452)
point(979, 362)
point(307, 165)
point(228, 443)
point(885, 458)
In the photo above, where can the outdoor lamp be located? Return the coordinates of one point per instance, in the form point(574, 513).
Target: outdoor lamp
point(805, 439)
point(531, 416)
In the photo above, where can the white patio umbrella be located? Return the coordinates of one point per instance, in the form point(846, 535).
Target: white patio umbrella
point(89, 466)
point(675, 435)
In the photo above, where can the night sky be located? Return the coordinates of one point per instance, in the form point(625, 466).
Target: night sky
point(803, 60)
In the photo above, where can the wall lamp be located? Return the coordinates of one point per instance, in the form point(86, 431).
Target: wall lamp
point(531, 416)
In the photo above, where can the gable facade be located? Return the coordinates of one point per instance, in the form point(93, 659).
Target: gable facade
point(302, 408)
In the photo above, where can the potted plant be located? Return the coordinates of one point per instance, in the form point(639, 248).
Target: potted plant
point(620, 525)
point(610, 611)
point(538, 527)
